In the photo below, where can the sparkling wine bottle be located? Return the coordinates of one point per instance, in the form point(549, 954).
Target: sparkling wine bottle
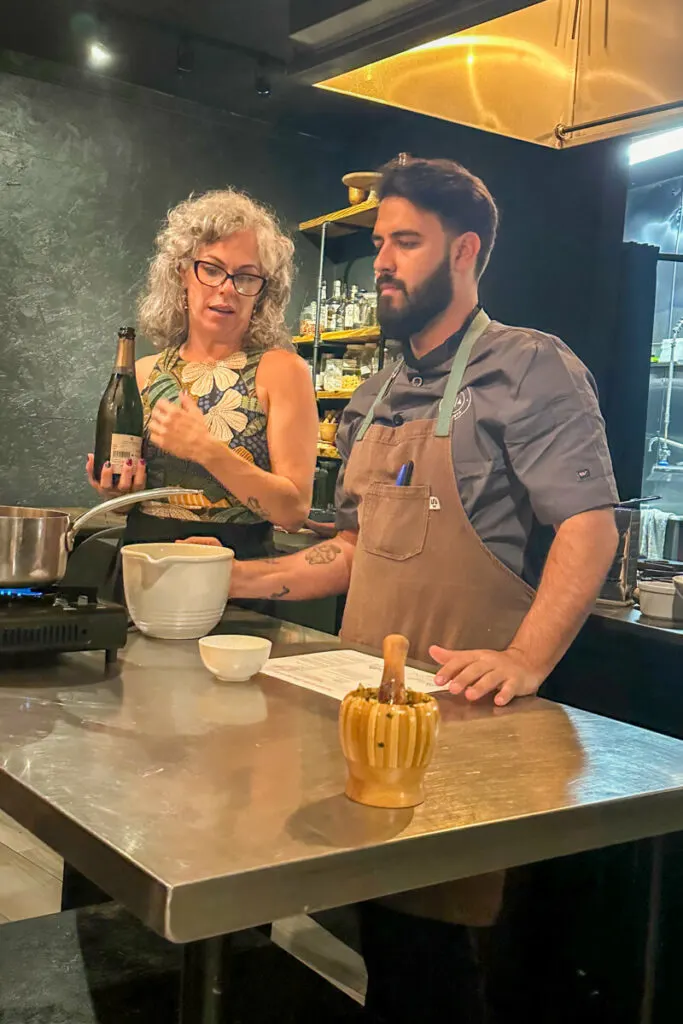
point(119, 417)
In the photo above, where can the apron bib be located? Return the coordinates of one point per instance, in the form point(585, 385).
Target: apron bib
point(420, 569)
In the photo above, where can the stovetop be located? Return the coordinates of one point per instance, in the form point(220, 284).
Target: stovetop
point(58, 595)
point(59, 619)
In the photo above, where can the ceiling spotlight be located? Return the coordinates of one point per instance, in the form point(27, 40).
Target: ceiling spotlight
point(185, 56)
point(99, 56)
point(262, 83)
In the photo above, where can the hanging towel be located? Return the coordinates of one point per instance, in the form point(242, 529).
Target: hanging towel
point(653, 532)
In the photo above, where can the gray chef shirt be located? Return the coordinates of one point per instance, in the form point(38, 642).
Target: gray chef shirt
point(528, 439)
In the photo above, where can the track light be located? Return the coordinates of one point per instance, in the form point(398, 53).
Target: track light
point(262, 82)
point(185, 56)
point(98, 55)
point(262, 85)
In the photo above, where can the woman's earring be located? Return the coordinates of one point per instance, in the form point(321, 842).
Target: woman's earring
point(185, 305)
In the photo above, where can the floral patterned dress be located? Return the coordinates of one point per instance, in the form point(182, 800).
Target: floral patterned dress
point(225, 392)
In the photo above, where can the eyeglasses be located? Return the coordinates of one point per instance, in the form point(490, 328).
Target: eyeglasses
point(214, 276)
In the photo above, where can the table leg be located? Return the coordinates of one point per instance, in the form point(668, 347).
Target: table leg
point(78, 891)
point(204, 981)
point(653, 937)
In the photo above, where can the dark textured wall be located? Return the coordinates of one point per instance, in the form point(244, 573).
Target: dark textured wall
point(85, 180)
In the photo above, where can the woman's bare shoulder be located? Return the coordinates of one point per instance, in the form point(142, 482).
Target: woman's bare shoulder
point(143, 369)
point(279, 365)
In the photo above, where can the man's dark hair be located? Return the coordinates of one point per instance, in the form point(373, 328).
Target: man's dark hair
point(458, 198)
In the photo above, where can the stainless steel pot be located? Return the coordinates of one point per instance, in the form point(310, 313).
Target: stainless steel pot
point(36, 542)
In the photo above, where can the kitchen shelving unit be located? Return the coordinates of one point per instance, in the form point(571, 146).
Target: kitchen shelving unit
point(334, 232)
point(342, 236)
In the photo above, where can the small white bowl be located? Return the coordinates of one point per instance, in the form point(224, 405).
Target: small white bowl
point(233, 658)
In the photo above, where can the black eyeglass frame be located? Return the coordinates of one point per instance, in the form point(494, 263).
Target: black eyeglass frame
point(231, 277)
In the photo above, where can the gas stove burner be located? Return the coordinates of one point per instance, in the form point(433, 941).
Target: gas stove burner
point(59, 619)
point(20, 595)
point(59, 594)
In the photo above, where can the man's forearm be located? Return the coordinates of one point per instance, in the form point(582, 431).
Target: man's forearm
point(579, 559)
point(320, 571)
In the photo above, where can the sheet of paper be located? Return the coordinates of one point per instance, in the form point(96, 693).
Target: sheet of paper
point(335, 673)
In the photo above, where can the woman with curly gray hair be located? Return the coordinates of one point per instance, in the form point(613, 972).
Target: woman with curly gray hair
point(229, 407)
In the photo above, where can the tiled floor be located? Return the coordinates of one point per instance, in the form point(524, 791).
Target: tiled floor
point(30, 874)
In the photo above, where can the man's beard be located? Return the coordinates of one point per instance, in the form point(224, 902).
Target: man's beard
point(420, 309)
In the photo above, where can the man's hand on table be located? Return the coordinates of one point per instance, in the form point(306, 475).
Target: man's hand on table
point(477, 673)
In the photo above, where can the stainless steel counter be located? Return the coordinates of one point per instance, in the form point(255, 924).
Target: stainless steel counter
point(632, 620)
point(206, 808)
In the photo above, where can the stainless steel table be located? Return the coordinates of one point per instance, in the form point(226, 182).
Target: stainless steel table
point(206, 808)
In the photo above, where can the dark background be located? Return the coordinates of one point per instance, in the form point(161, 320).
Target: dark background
point(90, 163)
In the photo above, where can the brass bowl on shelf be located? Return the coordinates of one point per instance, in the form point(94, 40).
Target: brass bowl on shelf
point(328, 432)
point(362, 185)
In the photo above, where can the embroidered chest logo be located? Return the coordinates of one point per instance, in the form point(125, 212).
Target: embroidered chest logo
point(462, 403)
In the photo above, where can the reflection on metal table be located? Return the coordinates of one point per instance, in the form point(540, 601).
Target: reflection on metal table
point(206, 808)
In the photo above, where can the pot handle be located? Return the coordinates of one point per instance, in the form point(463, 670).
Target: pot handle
point(123, 502)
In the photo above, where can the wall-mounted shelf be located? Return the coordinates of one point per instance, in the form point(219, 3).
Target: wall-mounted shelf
point(333, 396)
point(343, 222)
point(363, 335)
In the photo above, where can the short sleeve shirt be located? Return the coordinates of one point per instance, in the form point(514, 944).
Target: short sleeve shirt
point(528, 439)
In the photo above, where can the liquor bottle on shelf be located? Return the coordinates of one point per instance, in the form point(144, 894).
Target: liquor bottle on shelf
point(351, 310)
point(370, 317)
point(362, 303)
point(118, 436)
point(334, 306)
point(341, 311)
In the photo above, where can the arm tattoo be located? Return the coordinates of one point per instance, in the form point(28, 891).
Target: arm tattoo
point(280, 593)
point(255, 506)
point(322, 554)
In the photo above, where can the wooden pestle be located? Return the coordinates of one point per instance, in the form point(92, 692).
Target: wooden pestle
point(393, 686)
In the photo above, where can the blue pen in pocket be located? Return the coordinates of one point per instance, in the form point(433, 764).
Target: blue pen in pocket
point(405, 474)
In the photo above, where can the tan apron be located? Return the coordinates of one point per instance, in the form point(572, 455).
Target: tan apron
point(421, 569)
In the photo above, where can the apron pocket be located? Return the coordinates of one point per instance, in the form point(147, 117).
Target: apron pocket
point(393, 522)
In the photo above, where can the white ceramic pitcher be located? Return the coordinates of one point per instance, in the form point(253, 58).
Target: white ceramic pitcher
point(176, 591)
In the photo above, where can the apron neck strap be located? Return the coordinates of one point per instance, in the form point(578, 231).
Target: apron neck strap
point(370, 415)
point(447, 403)
point(462, 357)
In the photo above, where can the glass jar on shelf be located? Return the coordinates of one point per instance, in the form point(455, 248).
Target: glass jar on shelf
point(307, 320)
point(369, 361)
point(351, 372)
point(332, 373)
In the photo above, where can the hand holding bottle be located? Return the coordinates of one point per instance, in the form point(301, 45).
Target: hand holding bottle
point(132, 477)
point(118, 440)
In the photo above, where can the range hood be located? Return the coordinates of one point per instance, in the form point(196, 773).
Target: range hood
point(557, 73)
point(334, 36)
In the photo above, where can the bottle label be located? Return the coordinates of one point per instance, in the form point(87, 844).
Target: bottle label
point(124, 447)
